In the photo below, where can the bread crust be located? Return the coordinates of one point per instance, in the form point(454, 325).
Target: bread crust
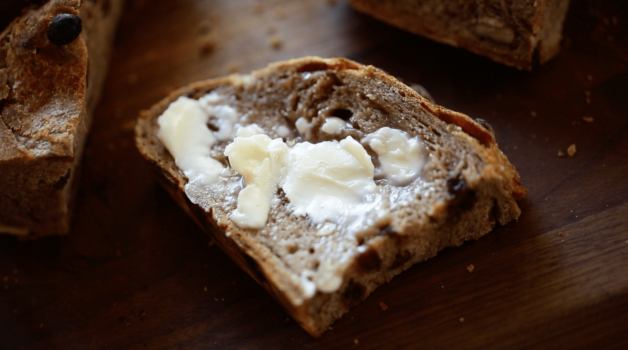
point(517, 33)
point(392, 251)
point(47, 97)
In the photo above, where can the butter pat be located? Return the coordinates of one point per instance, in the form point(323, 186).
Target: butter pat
point(401, 159)
point(326, 181)
point(261, 161)
point(333, 125)
point(183, 130)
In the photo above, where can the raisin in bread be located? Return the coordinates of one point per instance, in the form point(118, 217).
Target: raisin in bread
point(53, 61)
point(466, 185)
point(518, 33)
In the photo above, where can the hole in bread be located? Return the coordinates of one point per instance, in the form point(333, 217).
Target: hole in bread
point(317, 264)
point(360, 240)
point(341, 113)
point(311, 250)
point(293, 248)
point(212, 126)
point(312, 67)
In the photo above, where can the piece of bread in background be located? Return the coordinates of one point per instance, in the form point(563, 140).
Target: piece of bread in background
point(318, 270)
point(52, 68)
point(518, 33)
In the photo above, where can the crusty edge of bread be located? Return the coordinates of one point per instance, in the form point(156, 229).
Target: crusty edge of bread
point(546, 43)
point(395, 251)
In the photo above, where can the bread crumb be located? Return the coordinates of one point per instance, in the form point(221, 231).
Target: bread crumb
point(275, 42)
point(461, 319)
point(563, 241)
point(470, 268)
point(561, 234)
point(571, 150)
point(383, 306)
point(533, 114)
point(205, 288)
point(232, 68)
point(561, 154)
point(355, 341)
point(588, 119)
point(207, 45)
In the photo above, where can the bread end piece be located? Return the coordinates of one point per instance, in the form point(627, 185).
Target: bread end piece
point(469, 207)
point(518, 33)
point(47, 97)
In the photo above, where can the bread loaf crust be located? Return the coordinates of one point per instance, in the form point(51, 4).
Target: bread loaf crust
point(47, 97)
point(517, 33)
point(394, 248)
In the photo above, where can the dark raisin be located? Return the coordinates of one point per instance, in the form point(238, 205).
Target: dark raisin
point(463, 198)
point(64, 29)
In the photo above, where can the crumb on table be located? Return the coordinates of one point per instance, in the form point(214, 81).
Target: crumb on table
point(275, 42)
point(560, 153)
point(383, 305)
point(571, 150)
point(588, 119)
point(470, 268)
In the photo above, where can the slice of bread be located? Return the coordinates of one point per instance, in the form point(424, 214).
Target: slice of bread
point(48, 93)
point(467, 184)
point(517, 33)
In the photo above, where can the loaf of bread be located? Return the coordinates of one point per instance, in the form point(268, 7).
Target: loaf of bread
point(519, 33)
point(53, 61)
point(317, 269)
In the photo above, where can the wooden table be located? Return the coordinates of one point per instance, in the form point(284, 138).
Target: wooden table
point(137, 273)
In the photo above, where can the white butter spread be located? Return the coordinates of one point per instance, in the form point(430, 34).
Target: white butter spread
point(261, 161)
point(326, 181)
point(401, 159)
point(333, 125)
point(183, 130)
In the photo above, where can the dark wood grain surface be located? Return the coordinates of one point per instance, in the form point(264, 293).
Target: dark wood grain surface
point(136, 272)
